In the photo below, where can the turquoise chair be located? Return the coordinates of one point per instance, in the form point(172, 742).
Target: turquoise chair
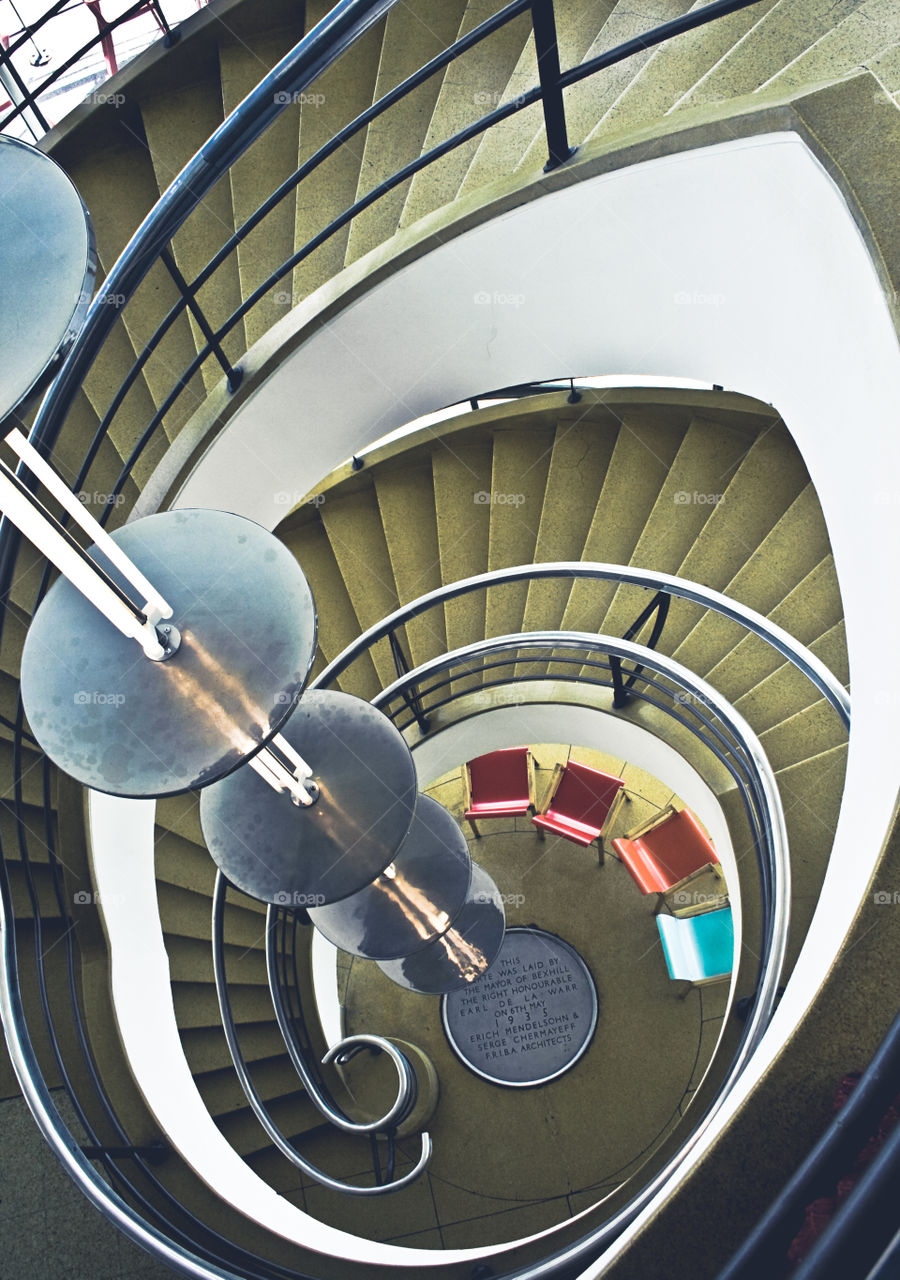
point(698, 949)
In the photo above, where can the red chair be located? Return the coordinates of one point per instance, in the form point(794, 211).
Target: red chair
point(582, 804)
point(499, 785)
point(663, 853)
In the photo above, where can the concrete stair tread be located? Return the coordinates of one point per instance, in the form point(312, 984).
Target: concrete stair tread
point(34, 822)
point(273, 1077)
point(414, 34)
point(406, 499)
point(852, 41)
point(676, 66)
point(260, 170)
point(337, 620)
point(190, 960)
point(356, 534)
point(642, 456)
point(206, 1049)
point(781, 34)
point(787, 691)
point(294, 1115)
point(520, 465)
point(196, 1004)
point(187, 914)
point(472, 86)
point(176, 124)
point(522, 136)
point(39, 877)
point(342, 93)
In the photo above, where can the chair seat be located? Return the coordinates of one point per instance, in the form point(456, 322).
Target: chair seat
point(698, 948)
point(499, 808)
point(580, 832)
point(663, 856)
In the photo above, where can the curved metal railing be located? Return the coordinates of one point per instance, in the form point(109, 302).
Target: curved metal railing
point(734, 744)
point(386, 1124)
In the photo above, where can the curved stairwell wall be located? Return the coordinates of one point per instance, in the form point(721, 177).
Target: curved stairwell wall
point(763, 252)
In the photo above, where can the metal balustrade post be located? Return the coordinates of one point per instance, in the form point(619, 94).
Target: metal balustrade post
point(413, 699)
point(547, 50)
point(233, 373)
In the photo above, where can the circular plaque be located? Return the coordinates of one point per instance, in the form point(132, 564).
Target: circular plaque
point(530, 1018)
point(121, 723)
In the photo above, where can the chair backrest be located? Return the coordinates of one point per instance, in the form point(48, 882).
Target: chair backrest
point(585, 794)
point(680, 841)
point(698, 948)
point(500, 775)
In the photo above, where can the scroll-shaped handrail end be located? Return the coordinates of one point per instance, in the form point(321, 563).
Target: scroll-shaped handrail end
point(406, 1084)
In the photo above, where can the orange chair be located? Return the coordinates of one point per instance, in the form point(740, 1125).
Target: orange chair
point(663, 853)
point(582, 803)
point(499, 785)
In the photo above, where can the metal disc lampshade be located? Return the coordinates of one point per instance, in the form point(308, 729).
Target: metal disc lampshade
point(416, 898)
point(465, 952)
point(366, 795)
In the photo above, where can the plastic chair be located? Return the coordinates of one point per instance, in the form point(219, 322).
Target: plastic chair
point(582, 804)
point(661, 854)
point(698, 949)
point(499, 785)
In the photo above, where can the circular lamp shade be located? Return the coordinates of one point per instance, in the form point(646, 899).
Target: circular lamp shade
point(121, 723)
point(47, 264)
point(290, 855)
point(416, 897)
point(465, 952)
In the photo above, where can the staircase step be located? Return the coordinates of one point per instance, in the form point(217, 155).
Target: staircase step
point(809, 732)
point(852, 41)
point(521, 140)
point(587, 101)
point(676, 66)
point(356, 533)
point(260, 170)
point(186, 914)
point(272, 1077)
point(780, 35)
point(521, 462)
point(183, 863)
point(181, 815)
point(30, 772)
point(811, 609)
point(886, 67)
point(34, 824)
point(472, 87)
point(337, 620)
point(406, 502)
point(787, 690)
point(190, 960)
point(769, 479)
point(345, 90)
point(645, 447)
point(38, 878)
point(126, 170)
point(196, 1004)
point(700, 474)
point(415, 33)
point(177, 123)
point(796, 545)
point(206, 1048)
point(462, 475)
point(579, 463)
point(293, 1115)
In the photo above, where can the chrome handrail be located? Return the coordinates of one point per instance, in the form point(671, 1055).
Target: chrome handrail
point(776, 852)
point(406, 1089)
point(802, 657)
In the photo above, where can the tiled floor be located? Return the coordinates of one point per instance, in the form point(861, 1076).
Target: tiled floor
point(48, 1230)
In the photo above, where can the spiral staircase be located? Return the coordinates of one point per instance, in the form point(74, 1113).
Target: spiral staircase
point(707, 485)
